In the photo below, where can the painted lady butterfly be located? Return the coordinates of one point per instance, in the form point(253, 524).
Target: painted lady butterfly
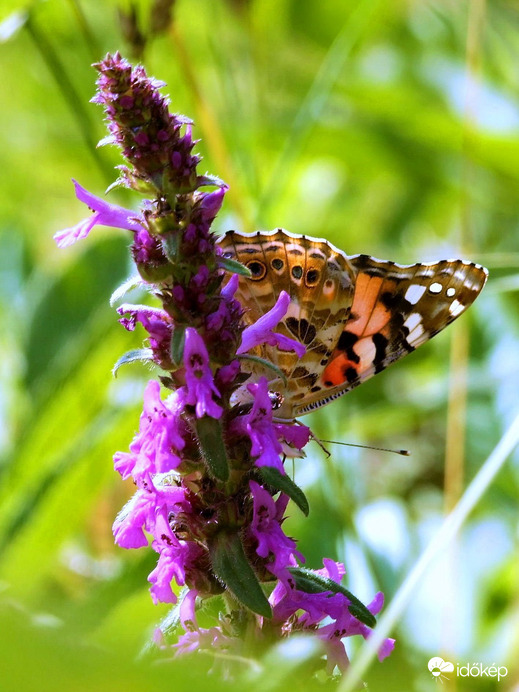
point(355, 315)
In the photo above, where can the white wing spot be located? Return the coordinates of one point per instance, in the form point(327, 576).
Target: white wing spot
point(412, 321)
point(435, 287)
point(456, 307)
point(415, 334)
point(451, 292)
point(414, 293)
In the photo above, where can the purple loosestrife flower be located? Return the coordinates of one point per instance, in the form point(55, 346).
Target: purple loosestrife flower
point(175, 557)
point(264, 434)
point(208, 459)
point(105, 214)
point(200, 387)
point(261, 332)
point(197, 638)
point(141, 513)
point(288, 602)
point(266, 529)
point(157, 323)
point(155, 449)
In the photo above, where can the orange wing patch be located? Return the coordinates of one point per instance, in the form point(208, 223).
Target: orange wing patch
point(357, 348)
point(369, 314)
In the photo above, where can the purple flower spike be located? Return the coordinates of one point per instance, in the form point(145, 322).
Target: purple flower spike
point(139, 122)
point(200, 386)
point(105, 214)
point(261, 331)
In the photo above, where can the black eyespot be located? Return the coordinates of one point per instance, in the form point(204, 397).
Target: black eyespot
point(257, 269)
point(277, 264)
point(312, 277)
point(297, 272)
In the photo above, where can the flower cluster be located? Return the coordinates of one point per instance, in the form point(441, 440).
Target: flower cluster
point(212, 490)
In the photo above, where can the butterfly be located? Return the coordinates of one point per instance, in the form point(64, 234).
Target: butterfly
point(354, 314)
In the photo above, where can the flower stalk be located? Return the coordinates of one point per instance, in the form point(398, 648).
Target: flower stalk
point(211, 487)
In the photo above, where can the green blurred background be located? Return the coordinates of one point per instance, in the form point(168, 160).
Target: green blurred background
point(390, 128)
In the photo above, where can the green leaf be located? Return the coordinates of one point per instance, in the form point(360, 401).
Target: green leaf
point(310, 582)
point(286, 485)
point(177, 344)
point(170, 244)
point(230, 564)
point(209, 179)
point(233, 266)
point(210, 436)
point(123, 289)
point(266, 364)
point(144, 355)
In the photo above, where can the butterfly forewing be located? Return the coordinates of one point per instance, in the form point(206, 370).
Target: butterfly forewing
point(395, 309)
point(355, 315)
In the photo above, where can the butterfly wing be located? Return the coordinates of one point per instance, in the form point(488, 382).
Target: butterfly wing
point(395, 309)
point(319, 280)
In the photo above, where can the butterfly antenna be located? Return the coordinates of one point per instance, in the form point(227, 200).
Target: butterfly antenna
point(401, 452)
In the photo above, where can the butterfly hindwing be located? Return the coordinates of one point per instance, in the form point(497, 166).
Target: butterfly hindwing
point(395, 309)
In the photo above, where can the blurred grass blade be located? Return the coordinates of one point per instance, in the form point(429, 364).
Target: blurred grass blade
point(87, 33)
point(438, 545)
point(69, 93)
point(315, 101)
